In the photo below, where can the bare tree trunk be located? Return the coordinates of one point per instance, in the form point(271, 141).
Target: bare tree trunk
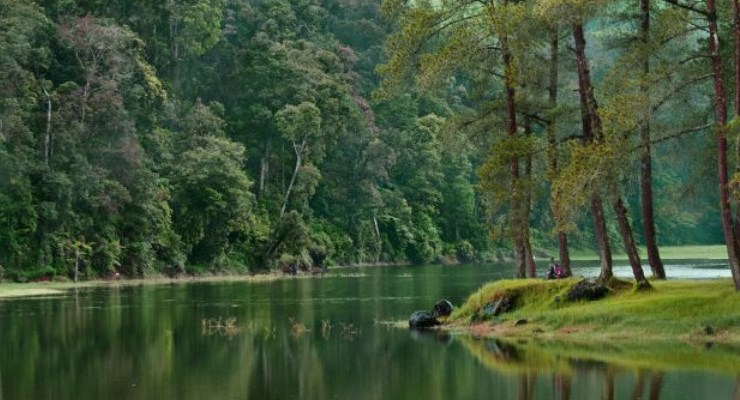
point(721, 116)
point(265, 166)
point(47, 135)
point(591, 132)
point(527, 208)
point(563, 253)
point(736, 46)
point(736, 41)
point(298, 160)
point(648, 218)
point(602, 238)
point(380, 241)
point(77, 264)
point(175, 50)
point(516, 217)
point(85, 95)
point(629, 244)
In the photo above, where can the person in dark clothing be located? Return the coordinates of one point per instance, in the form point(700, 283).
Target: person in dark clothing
point(555, 270)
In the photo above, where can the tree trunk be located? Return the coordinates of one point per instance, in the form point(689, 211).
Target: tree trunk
point(721, 116)
point(629, 244)
point(563, 253)
point(586, 89)
point(298, 160)
point(77, 264)
point(265, 166)
point(648, 219)
point(736, 45)
point(736, 41)
point(47, 135)
point(591, 132)
point(527, 208)
point(515, 200)
point(602, 238)
point(83, 103)
point(380, 241)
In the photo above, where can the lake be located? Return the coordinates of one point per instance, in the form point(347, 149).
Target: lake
point(325, 338)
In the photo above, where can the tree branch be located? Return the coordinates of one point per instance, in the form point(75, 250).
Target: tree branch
point(675, 135)
point(689, 7)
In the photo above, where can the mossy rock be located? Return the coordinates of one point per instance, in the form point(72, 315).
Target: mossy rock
point(587, 290)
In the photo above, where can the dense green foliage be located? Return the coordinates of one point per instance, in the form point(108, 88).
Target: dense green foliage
point(184, 136)
point(188, 136)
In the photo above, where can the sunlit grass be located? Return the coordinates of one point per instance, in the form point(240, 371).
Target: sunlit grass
point(688, 310)
point(706, 252)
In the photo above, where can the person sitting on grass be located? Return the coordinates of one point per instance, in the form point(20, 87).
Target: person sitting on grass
point(555, 270)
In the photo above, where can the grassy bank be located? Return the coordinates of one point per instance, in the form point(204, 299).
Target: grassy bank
point(673, 310)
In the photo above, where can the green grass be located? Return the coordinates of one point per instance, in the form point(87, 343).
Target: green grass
point(672, 310)
point(707, 252)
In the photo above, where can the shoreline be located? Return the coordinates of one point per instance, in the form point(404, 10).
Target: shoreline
point(57, 287)
point(14, 290)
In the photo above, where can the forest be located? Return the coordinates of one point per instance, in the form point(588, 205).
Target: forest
point(145, 137)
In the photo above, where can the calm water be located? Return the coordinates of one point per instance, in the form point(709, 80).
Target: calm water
point(310, 339)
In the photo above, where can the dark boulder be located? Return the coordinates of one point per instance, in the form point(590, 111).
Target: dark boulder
point(443, 308)
point(423, 319)
point(587, 289)
point(503, 304)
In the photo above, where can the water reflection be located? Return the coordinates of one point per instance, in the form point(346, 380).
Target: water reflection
point(317, 339)
point(566, 371)
point(431, 335)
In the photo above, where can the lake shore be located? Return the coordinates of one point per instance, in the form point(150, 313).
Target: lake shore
point(51, 288)
point(698, 311)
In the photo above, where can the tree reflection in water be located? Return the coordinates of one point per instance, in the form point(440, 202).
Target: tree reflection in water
point(526, 385)
point(562, 386)
point(505, 357)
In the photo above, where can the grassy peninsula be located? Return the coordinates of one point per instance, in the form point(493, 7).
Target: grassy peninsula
point(683, 310)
